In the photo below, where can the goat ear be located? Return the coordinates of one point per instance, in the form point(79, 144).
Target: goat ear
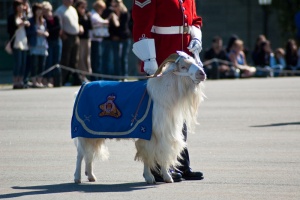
point(171, 58)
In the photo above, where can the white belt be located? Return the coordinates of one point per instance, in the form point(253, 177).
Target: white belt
point(171, 30)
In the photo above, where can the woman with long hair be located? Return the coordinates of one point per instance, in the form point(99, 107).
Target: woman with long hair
point(16, 24)
point(238, 58)
point(85, 43)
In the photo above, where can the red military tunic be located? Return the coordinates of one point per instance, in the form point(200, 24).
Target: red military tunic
point(164, 13)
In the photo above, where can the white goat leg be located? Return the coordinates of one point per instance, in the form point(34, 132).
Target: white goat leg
point(149, 178)
point(166, 175)
point(77, 174)
point(89, 171)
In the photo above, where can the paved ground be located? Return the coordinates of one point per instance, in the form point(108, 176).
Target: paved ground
point(247, 145)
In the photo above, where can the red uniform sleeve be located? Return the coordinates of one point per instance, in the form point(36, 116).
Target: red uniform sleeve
point(197, 21)
point(143, 15)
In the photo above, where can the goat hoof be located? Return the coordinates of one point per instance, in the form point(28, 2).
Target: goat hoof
point(169, 180)
point(153, 182)
point(149, 179)
point(92, 179)
point(77, 181)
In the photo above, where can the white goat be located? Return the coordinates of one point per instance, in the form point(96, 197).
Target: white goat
point(176, 92)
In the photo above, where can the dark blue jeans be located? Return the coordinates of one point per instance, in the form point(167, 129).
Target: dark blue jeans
point(20, 57)
point(54, 54)
point(107, 57)
point(95, 59)
point(120, 54)
point(37, 64)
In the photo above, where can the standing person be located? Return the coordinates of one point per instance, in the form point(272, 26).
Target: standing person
point(54, 43)
point(27, 13)
point(37, 37)
point(16, 24)
point(121, 38)
point(174, 25)
point(100, 29)
point(85, 44)
point(107, 48)
point(70, 41)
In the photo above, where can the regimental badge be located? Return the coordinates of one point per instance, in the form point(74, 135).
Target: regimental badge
point(142, 3)
point(109, 108)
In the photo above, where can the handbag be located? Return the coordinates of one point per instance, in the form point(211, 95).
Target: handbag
point(8, 48)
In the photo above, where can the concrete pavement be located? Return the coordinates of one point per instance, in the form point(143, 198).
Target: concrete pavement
point(247, 146)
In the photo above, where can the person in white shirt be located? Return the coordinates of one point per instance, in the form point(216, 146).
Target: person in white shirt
point(70, 41)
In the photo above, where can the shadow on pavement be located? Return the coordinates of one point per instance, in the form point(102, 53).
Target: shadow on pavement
point(278, 124)
point(72, 187)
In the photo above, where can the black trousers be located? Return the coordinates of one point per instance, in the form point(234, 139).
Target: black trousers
point(70, 58)
point(185, 161)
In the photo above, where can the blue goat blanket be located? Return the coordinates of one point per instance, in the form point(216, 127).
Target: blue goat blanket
point(111, 109)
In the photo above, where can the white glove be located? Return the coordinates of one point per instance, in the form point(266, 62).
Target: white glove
point(145, 50)
point(150, 66)
point(196, 42)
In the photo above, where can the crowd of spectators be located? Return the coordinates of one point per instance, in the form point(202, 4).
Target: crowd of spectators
point(95, 41)
point(231, 61)
point(99, 41)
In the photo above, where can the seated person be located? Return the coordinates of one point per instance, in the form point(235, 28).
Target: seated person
point(217, 61)
point(291, 55)
point(263, 62)
point(257, 48)
point(277, 61)
point(237, 57)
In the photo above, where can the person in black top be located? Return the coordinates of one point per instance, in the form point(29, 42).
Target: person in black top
point(54, 45)
point(107, 52)
point(291, 56)
point(85, 44)
point(121, 38)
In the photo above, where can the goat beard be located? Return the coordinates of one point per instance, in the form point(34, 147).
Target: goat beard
point(176, 101)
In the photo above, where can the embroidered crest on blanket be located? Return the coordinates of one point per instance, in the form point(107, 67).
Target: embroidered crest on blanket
point(111, 109)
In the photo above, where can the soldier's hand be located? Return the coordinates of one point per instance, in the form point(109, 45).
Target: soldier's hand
point(150, 66)
point(195, 46)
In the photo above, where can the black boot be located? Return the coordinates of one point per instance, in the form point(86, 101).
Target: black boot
point(190, 175)
point(175, 176)
point(184, 169)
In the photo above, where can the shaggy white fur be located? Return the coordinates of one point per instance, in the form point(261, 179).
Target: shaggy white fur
point(176, 100)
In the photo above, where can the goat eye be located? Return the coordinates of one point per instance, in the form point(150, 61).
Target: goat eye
point(182, 67)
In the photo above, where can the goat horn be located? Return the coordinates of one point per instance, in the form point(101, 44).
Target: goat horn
point(171, 58)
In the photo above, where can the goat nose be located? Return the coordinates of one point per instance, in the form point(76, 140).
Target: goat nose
point(200, 75)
